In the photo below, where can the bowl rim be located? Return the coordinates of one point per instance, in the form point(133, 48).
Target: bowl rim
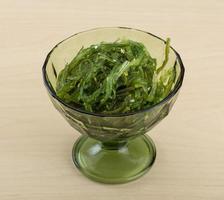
point(171, 94)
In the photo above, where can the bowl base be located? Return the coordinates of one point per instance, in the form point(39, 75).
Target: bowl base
point(104, 164)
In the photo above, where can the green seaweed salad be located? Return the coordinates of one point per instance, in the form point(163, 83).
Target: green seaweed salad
point(117, 77)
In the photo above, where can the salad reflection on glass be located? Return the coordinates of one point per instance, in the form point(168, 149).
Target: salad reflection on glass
point(113, 85)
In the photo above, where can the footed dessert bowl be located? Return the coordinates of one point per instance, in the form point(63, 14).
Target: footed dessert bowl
point(113, 148)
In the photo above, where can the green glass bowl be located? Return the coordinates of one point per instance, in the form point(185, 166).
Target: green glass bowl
point(112, 148)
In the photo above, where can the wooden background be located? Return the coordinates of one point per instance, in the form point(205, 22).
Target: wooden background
point(35, 141)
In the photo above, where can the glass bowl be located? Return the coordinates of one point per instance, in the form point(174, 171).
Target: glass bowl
point(112, 148)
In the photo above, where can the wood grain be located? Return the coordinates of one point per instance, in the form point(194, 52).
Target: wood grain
point(36, 143)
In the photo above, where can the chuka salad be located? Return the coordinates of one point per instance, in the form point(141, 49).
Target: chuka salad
point(117, 77)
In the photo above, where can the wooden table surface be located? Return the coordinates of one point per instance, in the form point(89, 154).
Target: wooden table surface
point(36, 142)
